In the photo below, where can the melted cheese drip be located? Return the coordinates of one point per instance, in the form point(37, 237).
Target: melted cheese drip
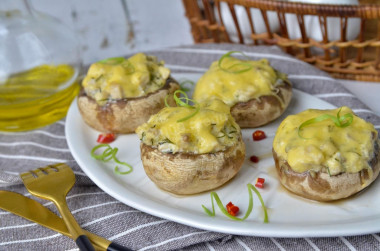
point(212, 129)
point(237, 87)
point(135, 77)
point(324, 145)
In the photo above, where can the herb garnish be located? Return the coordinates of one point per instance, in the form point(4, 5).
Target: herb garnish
point(339, 121)
point(246, 66)
point(112, 61)
point(250, 187)
point(110, 154)
point(186, 82)
point(179, 101)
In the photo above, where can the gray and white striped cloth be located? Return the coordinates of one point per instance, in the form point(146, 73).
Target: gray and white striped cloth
point(99, 213)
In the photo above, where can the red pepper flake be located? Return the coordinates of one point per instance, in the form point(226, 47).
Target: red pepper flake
point(260, 182)
point(106, 138)
point(258, 135)
point(254, 159)
point(232, 209)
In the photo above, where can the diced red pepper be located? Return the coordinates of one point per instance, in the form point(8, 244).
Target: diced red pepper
point(232, 209)
point(106, 138)
point(254, 159)
point(258, 135)
point(260, 182)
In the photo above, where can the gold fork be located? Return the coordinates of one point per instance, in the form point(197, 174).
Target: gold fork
point(52, 183)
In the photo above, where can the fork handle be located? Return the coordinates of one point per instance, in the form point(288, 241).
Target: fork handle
point(84, 243)
point(116, 247)
point(72, 225)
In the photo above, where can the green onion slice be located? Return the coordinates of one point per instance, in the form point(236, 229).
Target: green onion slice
point(266, 219)
point(184, 102)
point(112, 61)
point(110, 154)
point(230, 69)
point(117, 171)
point(166, 101)
point(190, 116)
point(215, 196)
point(339, 121)
point(186, 82)
point(250, 187)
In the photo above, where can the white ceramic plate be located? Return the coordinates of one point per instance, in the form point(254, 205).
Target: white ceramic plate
point(289, 215)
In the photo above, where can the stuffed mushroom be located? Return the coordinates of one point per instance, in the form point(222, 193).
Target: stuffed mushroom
point(326, 155)
point(188, 150)
point(120, 94)
point(256, 93)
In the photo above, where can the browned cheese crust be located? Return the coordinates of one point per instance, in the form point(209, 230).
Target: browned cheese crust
point(124, 116)
point(186, 173)
point(321, 186)
point(255, 113)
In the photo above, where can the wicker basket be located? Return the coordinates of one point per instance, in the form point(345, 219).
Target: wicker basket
point(355, 58)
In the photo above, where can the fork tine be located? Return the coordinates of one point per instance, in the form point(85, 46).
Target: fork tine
point(38, 172)
point(49, 169)
point(26, 176)
point(61, 166)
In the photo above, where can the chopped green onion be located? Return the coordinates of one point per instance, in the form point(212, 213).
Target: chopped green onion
point(328, 171)
point(215, 196)
point(166, 101)
point(190, 116)
point(349, 117)
point(247, 67)
point(110, 154)
point(183, 83)
point(250, 187)
point(112, 61)
point(181, 103)
point(339, 121)
point(117, 171)
point(266, 220)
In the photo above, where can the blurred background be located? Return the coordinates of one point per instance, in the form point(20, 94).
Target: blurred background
point(119, 27)
point(41, 60)
point(44, 43)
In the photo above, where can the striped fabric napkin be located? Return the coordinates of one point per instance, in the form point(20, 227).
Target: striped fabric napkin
point(99, 213)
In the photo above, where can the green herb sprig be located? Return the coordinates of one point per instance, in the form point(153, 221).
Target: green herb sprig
point(230, 69)
point(184, 102)
point(183, 84)
point(250, 187)
point(110, 154)
point(339, 121)
point(112, 61)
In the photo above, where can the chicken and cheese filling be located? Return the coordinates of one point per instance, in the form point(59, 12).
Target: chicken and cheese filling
point(210, 130)
point(239, 86)
point(119, 78)
point(323, 145)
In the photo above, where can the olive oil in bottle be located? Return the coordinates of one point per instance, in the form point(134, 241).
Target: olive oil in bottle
point(37, 97)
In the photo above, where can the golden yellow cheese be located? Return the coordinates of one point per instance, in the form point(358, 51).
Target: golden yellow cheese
point(237, 87)
point(119, 78)
point(211, 129)
point(323, 144)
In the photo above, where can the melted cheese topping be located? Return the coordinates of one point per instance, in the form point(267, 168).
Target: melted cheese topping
point(233, 88)
point(323, 145)
point(211, 130)
point(135, 77)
